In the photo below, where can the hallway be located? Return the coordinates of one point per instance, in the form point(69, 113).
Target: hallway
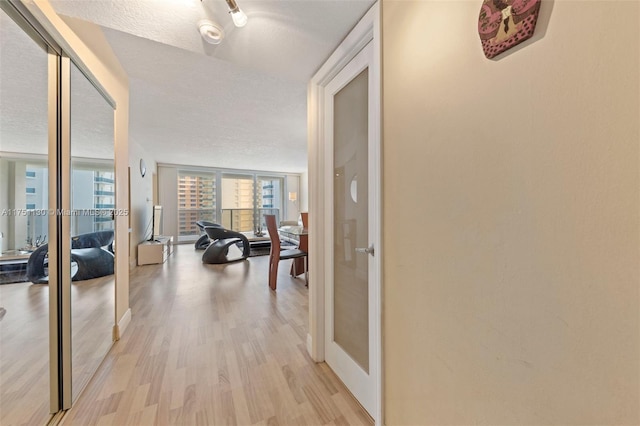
point(212, 345)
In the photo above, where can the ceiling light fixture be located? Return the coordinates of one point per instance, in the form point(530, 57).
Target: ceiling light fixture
point(210, 32)
point(238, 16)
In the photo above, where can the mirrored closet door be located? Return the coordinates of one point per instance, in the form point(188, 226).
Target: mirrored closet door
point(92, 279)
point(24, 229)
point(57, 197)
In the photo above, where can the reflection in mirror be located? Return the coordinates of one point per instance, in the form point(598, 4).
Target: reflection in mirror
point(24, 306)
point(92, 229)
point(354, 188)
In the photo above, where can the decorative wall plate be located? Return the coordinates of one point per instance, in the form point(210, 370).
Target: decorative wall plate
point(504, 23)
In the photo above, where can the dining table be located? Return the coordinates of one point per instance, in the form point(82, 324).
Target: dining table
point(301, 235)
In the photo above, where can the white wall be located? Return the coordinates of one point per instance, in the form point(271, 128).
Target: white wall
point(141, 206)
point(292, 208)
point(17, 200)
point(511, 217)
point(304, 192)
point(168, 198)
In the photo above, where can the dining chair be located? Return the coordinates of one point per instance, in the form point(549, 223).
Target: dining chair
point(276, 254)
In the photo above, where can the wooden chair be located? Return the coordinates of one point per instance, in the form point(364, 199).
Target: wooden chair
point(276, 255)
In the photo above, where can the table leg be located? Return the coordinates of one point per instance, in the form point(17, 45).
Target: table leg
point(299, 266)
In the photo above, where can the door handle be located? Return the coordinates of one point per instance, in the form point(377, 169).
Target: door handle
point(369, 250)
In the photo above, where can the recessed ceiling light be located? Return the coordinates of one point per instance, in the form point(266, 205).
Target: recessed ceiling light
point(210, 32)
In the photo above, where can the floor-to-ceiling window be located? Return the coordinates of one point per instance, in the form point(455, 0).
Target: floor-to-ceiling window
point(196, 201)
point(269, 198)
point(236, 200)
point(247, 198)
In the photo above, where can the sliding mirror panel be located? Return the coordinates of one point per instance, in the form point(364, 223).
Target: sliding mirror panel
point(92, 229)
point(24, 202)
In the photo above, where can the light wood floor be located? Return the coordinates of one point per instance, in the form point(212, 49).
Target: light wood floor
point(24, 344)
point(212, 345)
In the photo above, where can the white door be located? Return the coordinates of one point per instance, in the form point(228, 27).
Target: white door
point(352, 224)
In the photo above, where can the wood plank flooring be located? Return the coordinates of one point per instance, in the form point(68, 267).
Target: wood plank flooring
point(24, 354)
point(212, 345)
point(24, 344)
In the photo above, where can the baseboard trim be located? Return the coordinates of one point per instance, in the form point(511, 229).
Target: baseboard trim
point(122, 325)
point(310, 345)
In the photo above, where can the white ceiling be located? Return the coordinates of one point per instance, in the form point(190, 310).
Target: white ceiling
point(23, 102)
point(240, 104)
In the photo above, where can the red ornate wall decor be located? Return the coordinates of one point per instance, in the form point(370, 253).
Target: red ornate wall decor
point(504, 23)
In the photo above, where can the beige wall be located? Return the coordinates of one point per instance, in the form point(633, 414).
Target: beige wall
point(511, 218)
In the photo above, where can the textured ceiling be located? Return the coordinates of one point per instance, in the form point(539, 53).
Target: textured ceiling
point(202, 111)
point(23, 102)
point(289, 38)
point(23, 91)
point(240, 104)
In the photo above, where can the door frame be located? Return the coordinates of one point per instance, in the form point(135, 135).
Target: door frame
point(367, 30)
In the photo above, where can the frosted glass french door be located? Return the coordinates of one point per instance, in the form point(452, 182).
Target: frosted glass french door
point(349, 339)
